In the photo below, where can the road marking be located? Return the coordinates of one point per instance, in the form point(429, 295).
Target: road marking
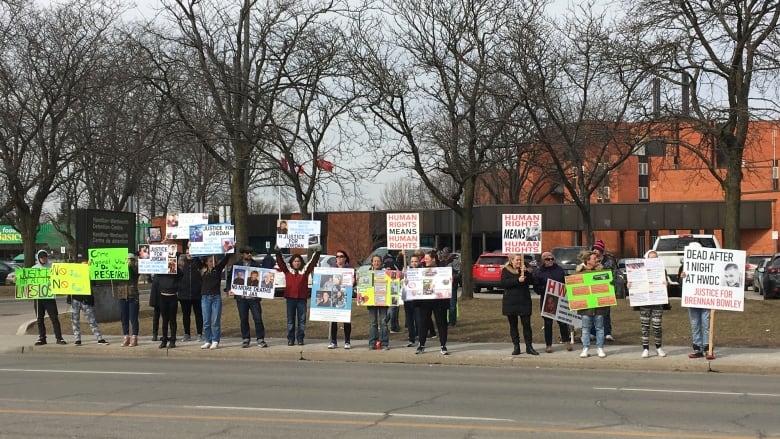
point(103, 372)
point(383, 423)
point(694, 392)
point(345, 413)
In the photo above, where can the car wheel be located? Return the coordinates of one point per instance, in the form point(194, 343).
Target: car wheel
point(477, 290)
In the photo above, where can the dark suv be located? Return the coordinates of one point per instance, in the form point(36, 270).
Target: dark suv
point(772, 277)
point(568, 257)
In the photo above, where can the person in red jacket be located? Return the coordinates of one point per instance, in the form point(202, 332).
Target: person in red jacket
point(296, 291)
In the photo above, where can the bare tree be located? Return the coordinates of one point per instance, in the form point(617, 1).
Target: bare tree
point(583, 98)
point(406, 194)
point(429, 74)
point(722, 52)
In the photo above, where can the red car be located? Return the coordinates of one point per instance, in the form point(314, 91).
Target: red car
point(487, 271)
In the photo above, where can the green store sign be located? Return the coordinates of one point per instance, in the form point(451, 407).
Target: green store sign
point(9, 235)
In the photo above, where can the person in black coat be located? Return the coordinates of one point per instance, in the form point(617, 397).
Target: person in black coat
point(189, 295)
point(550, 270)
point(516, 280)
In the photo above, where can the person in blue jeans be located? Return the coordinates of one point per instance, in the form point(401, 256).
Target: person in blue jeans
point(247, 304)
point(592, 317)
point(700, 328)
point(211, 301)
point(608, 262)
point(127, 299)
point(378, 335)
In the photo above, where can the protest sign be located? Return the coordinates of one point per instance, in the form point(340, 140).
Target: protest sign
point(108, 264)
point(177, 225)
point(153, 259)
point(590, 289)
point(521, 233)
point(428, 283)
point(331, 294)
point(556, 306)
point(297, 233)
point(403, 231)
point(68, 278)
point(646, 280)
point(714, 279)
point(32, 283)
point(252, 282)
point(212, 239)
point(379, 288)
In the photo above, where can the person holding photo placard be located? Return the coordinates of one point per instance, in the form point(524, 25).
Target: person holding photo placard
point(549, 270)
point(437, 307)
point(651, 315)
point(342, 261)
point(378, 335)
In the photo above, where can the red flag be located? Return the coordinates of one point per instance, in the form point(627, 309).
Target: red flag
point(325, 165)
point(299, 169)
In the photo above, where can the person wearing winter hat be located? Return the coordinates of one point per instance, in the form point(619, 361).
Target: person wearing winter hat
point(43, 306)
point(87, 304)
point(608, 261)
point(127, 299)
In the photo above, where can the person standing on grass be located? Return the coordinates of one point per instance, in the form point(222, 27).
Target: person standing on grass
point(342, 261)
point(245, 305)
point(608, 262)
point(549, 270)
point(411, 311)
point(592, 317)
point(296, 291)
point(189, 296)
point(437, 307)
point(127, 299)
point(43, 306)
point(165, 287)
point(651, 315)
point(700, 322)
point(377, 316)
point(211, 300)
point(516, 280)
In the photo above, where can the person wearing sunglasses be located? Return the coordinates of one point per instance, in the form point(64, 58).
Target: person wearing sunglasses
point(342, 261)
point(549, 270)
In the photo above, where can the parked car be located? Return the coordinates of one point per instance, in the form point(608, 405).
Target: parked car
point(758, 278)
point(486, 272)
point(6, 268)
point(621, 290)
point(751, 263)
point(771, 285)
point(568, 257)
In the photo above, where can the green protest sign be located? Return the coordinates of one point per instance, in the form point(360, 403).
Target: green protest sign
point(108, 264)
point(590, 289)
point(32, 283)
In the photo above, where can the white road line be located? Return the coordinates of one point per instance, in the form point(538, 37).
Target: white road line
point(694, 392)
point(346, 413)
point(104, 372)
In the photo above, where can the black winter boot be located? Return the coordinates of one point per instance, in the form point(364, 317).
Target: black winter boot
point(530, 349)
point(516, 351)
point(172, 341)
point(163, 343)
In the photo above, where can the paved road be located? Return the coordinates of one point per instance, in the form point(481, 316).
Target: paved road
point(51, 396)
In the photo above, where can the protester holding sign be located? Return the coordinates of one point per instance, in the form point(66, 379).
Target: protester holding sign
point(378, 335)
point(43, 306)
point(296, 291)
point(127, 298)
point(189, 295)
point(652, 315)
point(592, 317)
point(550, 270)
point(516, 280)
point(165, 287)
point(211, 300)
point(246, 304)
point(86, 303)
point(699, 318)
point(342, 261)
point(437, 307)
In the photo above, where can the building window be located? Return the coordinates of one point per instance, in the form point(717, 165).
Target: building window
point(644, 193)
point(643, 169)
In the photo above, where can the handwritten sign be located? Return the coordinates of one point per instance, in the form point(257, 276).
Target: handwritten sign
point(108, 264)
point(32, 283)
point(67, 278)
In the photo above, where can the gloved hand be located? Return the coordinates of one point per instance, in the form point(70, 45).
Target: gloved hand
point(316, 247)
point(277, 248)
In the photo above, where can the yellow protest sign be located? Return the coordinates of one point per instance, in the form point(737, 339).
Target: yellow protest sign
point(66, 278)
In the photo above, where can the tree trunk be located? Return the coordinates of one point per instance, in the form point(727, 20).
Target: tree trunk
point(731, 232)
point(239, 206)
point(466, 258)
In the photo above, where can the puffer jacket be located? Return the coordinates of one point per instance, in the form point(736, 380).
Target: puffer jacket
point(191, 281)
point(517, 295)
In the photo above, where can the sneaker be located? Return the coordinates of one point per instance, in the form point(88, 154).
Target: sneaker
point(290, 343)
point(205, 345)
point(411, 344)
point(696, 354)
point(332, 345)
point(347, 345)
point(214, 345)
point(77, 342)
point(584, 353)
point(420, 350)
point(601, 353)
point(262, 344)
point(386, 348)
point(245, 344)
point(40, 342)
point(444, 350)
point(300, 342)
point(610, 337)
point(661, 352)
point(186, 338)
point(645, 353)
point(60, 341)
point(103, 341)
point(200, 338)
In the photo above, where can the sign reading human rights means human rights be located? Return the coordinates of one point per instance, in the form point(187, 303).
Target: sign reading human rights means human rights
point(403, 231)
point(521, 233)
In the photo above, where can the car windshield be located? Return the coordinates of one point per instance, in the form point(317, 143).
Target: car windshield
point(492, 260)
point(755, 259)
point(567, 255)
point(679, 244)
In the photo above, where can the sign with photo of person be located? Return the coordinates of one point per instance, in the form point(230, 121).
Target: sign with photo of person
point(177, 225)
point(297, 233)
point(646, 280)
point(379, 287)
point(428, 283)
point(590, 289)
point(32, 283)
point(521, 233)
point(331, 294)
point(212, 239)
point(153, 258)
point(556, 305)
point(714, 279)
point(252, 282)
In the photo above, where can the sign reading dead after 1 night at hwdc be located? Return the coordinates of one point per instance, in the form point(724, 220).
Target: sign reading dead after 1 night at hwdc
point(403, 231)
point(521, 233)
point(590, 289)
point(714, 279)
